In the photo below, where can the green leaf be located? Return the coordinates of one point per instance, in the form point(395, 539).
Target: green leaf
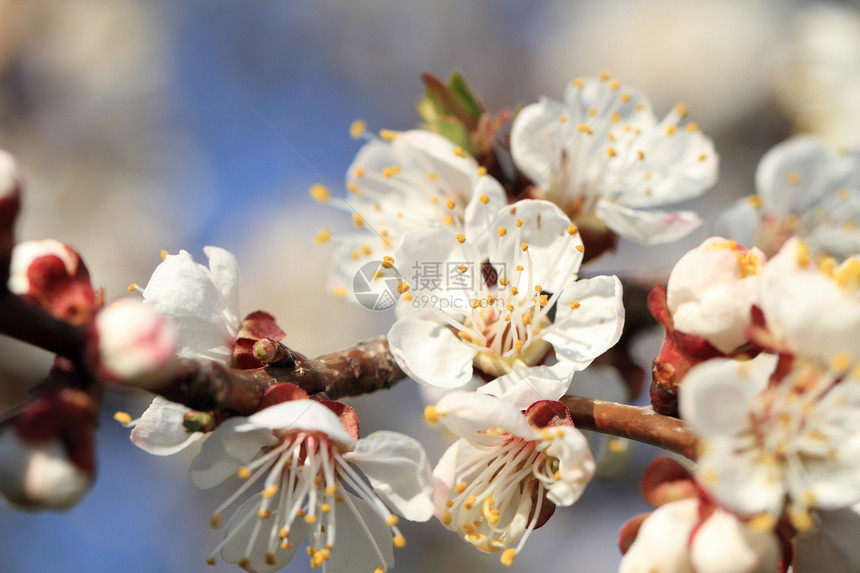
point(460, 89)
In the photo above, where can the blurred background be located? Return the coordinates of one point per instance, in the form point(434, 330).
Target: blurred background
point(149, 125)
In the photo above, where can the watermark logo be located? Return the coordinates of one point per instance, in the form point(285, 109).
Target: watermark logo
point(375, 286)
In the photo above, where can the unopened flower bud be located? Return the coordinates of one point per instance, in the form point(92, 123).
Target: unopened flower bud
point(39, 474)
point(133, 344)
point(725, 543)
point(52, 276)
point(195, 421)
point(661, 543)
point(265, 350)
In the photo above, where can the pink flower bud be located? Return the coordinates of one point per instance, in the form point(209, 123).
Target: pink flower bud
point(134, 345)
point(711, 290)
point(52, 275)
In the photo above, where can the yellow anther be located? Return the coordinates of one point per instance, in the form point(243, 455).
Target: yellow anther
point(538, 288)
point(604, 75)
point(617, 446)
point(450, 204)
point(519, 223)
point(387, 262)
point(519, 268)
point(610, 137)
point(794, 178)
point(378, 274)
point(310, 518)
point(504, 281)
point(762, 522)
point(562, 118)
point(465, 336)
point(481, 172)
point(502, 231)
point(431, 415)
point(484, 199)
point(264, 513)
point(507, 318)
point(574, 304)
point(625, 97)
point(399, 541)
point(518, 345)
point(615, 117)
point(847, 273)
point(163, 254)
point(356, 128)
point(339, 292)
point(614, 85)
point(671, 130)
point(460, 487)
point(692, 127)
point(577, 83)
point(353, 187)
point(215, 520)
point(584, 128)
point(379, 569)
point(407, 297)
point(527, 319)
point(803, 256)
point(556, 476)
point(431, 176)
point(322, 237)
point(320, 192)
point(546, 435)
point(270, 491)
point(572, 229)
point(470, 502)
point(508, 556)
point(243, 473)
point(270, 559)
point(325, 508)
point(284, 533)
point(580, 248)
point(515, 291)
point(610, 151)
point(122, 417)
point(133, 287)
point(841, 362)
point(447, 518)
point(358, 220)
point(387, 134)
point(458, 151)
point(210, 561)
point(524, 247)
point(681, 109)
point(801, 520)
point(754, 201)
point(592, 111)
point(544, 299)
point(359, 172)
point(402, 287)
point(448, 219)
point(244, 562)
point(461, 238)
point(702, 157)
point(475, 303)
point(640, 155)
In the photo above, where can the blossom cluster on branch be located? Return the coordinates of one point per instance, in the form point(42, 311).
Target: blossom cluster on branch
point(478, 229)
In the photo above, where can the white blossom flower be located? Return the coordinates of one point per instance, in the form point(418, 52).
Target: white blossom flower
point(711, 291)
point(135, 345)
point(408, 180)
point(675, 538)
point(509, 469)
point(793, 446)
point(813, 310)
point(602, 156)
point(508, 292)
point(804, 189)
point(307, 459)
point(203, 303)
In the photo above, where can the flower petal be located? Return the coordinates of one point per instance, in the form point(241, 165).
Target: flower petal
point(575, 464)
point(307, 415)
point(467, 414)
point(160, 430)
point(228, 448)
point(397, 467)
point(241, 526)
point(430, 353)
point(359, 532)
point(526, 385)
point(648, 227)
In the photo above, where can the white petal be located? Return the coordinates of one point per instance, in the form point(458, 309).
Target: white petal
point(661, 544)
point(740, 481)
point(307, 415)
point(535, 140)
point(586, 332)
point(801, 156)
point(724, 544)
point(739, 221)
point(466, 414)
point(160, 430)
point(225, 275)
point(397, 467)
point(232, 445)
point(576, 466)
point(526, 385)
point(478, 215)
point(717, 394)
point(353, 548)
point(648, 227)
point(430, 353)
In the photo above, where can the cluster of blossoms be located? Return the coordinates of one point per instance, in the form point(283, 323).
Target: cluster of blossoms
point(480, 238)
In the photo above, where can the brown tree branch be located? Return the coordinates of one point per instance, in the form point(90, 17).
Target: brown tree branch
point(31, 324)
point(639, 423)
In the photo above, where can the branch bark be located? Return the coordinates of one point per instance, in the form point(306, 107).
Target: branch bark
point(639, 423)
